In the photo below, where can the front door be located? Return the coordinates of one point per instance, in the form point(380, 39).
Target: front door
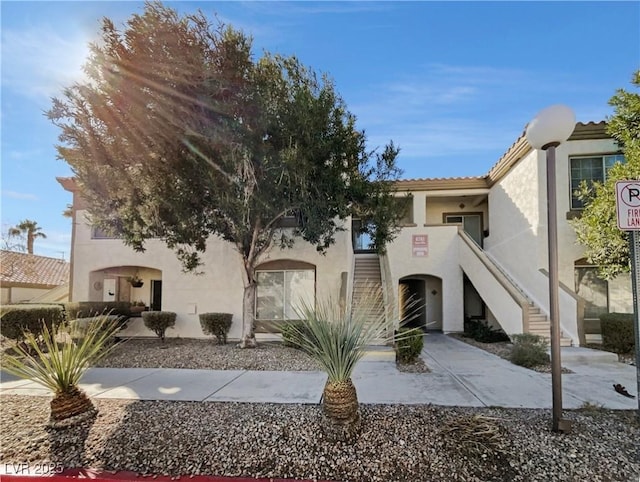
point(109, 291)
point(156, 295)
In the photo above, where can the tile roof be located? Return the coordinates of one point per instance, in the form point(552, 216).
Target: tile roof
point(418, 179)
point(23, 268)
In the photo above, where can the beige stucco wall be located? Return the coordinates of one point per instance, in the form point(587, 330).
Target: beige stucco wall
point(219, 288)
point(568, 250)
point(20, 295)
point(436, 207)
point(441, 262)
point(515, 219)
point(518, 225)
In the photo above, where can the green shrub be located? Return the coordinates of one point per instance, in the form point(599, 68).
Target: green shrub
point(159, 321)
point(480, 331)
point(409, 344)
point(15, 320)
point(216, 324)
point(58, 363)
point(290, 332)
point(87, 309)
point(80, 327)
point(617, 332)
point(529, 350)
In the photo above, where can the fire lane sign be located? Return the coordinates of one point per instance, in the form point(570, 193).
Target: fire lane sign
point(628, 205)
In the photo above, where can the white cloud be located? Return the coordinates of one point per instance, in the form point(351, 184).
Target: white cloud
point(19, 195)
point(38, 62)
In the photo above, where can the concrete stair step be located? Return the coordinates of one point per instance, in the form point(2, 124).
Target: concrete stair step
point(538, 319)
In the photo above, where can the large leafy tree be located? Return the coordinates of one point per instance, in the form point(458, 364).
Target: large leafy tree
point(179, 133)
point(28, 229)
point(607, 246)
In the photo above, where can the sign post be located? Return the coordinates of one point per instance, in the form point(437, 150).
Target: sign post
point(628, 214)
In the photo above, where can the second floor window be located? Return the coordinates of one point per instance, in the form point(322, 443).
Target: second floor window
point(589, 169)
point(97, 233)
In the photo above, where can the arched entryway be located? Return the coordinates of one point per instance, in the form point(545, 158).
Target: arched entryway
point(138, 285)
point(424, 292)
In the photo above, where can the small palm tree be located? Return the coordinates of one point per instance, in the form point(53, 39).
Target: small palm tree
point(59, 361)
point(31, 229)
point(337, 340)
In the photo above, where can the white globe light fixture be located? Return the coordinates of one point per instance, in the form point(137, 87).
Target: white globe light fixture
point(552, 125)
point(546, 131)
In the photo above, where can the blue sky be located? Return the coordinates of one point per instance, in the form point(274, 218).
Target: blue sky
point(452, 83)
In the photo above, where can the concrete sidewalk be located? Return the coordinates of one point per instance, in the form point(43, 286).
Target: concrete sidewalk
point(461, 375)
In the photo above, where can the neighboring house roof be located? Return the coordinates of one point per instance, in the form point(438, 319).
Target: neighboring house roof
point(59, 294)
point(30, 270)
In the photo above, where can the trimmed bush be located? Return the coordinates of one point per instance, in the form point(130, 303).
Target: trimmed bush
point(480, 330)
point(409, 344)
point(529, 350)
point(617, 332)
point(159, 321)
point(80, 327)
point(88, 309)
point(216, 324)
point(15, 320)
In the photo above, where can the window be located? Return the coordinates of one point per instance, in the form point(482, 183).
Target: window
point(280, 291)
point(293, 219)
point(590, 169)
point(602, 296)
point(593, 291)
point(98, 233)
point(471, 223)
point(405, 204)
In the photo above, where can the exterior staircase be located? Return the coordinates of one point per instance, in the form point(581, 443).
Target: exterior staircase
point(539, 324)
point(367, 292)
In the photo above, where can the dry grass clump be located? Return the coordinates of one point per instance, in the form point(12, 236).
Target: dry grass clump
point(476, 435)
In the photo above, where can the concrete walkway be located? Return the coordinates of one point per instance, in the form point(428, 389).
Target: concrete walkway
point(461, 375)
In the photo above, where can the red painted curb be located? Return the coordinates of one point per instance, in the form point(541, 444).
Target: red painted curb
point(123, 476)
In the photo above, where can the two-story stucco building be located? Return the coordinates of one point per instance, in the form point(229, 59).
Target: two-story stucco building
point(473, 246)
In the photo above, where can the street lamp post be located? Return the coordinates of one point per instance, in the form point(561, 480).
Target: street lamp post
point(546, 131)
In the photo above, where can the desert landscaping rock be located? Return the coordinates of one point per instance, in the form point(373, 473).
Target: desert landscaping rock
point(206, 354)
point(402, 443)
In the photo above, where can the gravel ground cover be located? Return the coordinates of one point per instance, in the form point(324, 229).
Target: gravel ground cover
point(397, 443)
point(418, 366)
point(203, 354)
point(503, 350)
point(206, 354)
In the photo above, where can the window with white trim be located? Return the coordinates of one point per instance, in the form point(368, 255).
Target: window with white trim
point(279, 292)
point(590, 169)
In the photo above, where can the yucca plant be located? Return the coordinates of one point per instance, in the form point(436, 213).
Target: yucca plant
point(337, 339)
point(57, 360)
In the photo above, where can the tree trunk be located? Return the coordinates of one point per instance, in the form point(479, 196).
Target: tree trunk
point(30, 239)
point(340, 409)
point(69, 404)
point(248, 316)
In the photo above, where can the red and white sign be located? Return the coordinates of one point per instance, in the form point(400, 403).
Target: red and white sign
point(628, 205)
point(420, 245)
